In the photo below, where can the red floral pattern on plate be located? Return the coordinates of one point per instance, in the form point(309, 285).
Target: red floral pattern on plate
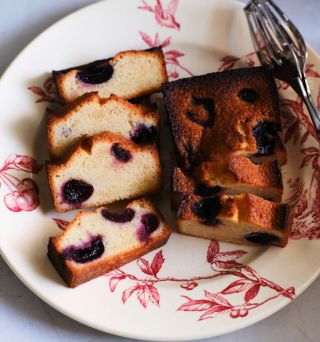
point(23, 195)
point(248, 283)
point(46, 93)
point(171, 56)
point(62, 224)
point(164, 16)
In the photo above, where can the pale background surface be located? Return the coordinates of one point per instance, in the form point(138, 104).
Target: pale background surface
point(24, 317)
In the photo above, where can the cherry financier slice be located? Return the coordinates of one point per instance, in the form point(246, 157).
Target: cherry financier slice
point(95, 243)
point(103, 169)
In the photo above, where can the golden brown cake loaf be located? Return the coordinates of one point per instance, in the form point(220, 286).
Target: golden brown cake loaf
point(103, 169)
point(225, 128)
point(224, 112)
point(95, 243)
point(128, 74)
point(242, 219)
point(91, 115)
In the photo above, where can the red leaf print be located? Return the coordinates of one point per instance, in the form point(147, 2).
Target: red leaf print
point(164, 17)
point(237, 286)
point(145, 266)
point(114, 281)
point(128, 292)
point(213, 249)
point(166, 42)
point(146, 38)
point(157, 263)
point(227, 62)
point(218, 265)
point(216, 298)
point(148, 293)
point(306, 160)
point(250, 272)
point(252, 292)
point(38, 91)
point(174, 54)
point(48, 84)
point(318, 99)
point(189, 285)
point(196, 305)
point(230, 256)
point(214, 312)
point(62, 224)
point(310, 72)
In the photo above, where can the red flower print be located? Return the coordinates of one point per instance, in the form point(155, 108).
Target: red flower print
point(25, 198)
point(23, 195)
point(248, 284)
point(164, 16)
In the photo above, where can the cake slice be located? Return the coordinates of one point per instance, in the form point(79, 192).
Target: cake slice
point(242, 219)
point(238, 174)
point(90, 115)
point(220, 113)
point(128, 74)
point(95, 243)
point(103, 169)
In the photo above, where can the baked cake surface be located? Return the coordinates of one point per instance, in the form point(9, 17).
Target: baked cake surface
point(91, 115)
point(242, 219)
point(128, 74)
point(219, 113)
point(95, 243)
point(103, 169)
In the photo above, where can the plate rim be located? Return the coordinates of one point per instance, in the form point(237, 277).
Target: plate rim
point(249, 321)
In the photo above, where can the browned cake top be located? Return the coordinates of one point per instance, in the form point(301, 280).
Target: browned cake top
point(218, 113)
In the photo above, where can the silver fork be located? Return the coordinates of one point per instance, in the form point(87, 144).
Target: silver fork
point(281, 47)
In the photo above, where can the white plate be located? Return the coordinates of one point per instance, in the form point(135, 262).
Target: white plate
point(191, 296)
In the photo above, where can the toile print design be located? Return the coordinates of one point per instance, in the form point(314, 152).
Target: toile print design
point(174, 67)
point(298, 133)
point(47, 92)
point(23, 193)
point(163, 14)
point(246, 283)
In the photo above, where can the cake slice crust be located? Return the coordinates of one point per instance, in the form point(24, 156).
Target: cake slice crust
point(129, 74)
point(91, 115)
point(95, 243)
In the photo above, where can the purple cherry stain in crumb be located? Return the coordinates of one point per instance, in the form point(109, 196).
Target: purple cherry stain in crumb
point(86, 252)
point(76, 191)
point(150, 223)
point(247, 95)
point(95, 75)
point(120, 153)
point(144, 135)
point(125, 216)
point(207, 209)
point(265, 133)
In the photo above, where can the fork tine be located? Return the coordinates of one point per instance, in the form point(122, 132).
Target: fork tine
point(282, 35)
point(252, 29)
point(264, 38)
point(299, 45)
point(269, 34)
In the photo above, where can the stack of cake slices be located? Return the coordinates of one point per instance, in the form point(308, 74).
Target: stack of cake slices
point(103, 149)
point(228, 183)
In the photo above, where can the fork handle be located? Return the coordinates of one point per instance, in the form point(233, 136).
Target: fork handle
point(300, 85)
